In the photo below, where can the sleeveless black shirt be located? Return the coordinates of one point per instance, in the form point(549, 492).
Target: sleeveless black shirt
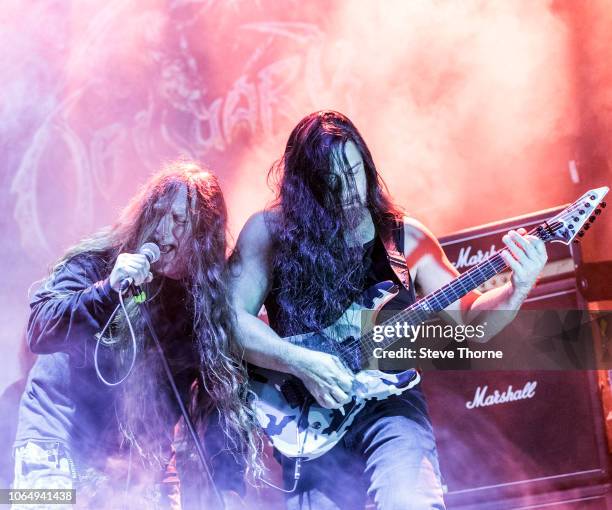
point(377, 269)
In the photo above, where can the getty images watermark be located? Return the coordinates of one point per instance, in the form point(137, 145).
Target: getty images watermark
point(391, 333)
point(559, 339)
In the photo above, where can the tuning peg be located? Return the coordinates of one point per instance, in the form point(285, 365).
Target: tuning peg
point(586, 226)
point(581, 234)
point(592, 218)
point(603, 204)
point(592, 197)
point(598, 211)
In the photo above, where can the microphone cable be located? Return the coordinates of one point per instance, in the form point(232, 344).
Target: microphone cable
point(99, 340)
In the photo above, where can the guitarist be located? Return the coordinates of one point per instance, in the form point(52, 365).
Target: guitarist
point(310, 255)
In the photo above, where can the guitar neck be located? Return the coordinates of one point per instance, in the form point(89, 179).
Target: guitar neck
point(428, 306)
point(460, 286)
point(565, 227)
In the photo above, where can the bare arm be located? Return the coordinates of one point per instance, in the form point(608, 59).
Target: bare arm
point(431, 269)
point(324, 376)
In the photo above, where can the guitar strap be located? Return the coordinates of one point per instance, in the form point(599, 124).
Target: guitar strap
point(397, 260)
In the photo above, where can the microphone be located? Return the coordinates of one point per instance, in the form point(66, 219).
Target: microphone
point(149, 250)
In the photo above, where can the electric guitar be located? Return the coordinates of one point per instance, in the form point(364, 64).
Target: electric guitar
point(291, 417)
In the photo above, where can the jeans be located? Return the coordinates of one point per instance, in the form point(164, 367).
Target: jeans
point(43, 465)
point(388, 454)
point(49, 465)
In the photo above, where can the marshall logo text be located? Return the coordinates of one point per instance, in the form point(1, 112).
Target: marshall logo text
point(466, 259)
point(481, 399)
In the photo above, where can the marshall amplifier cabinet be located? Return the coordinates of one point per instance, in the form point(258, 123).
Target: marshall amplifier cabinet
point(543, 448)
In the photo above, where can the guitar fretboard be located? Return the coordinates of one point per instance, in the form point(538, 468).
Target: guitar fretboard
point(426, 307)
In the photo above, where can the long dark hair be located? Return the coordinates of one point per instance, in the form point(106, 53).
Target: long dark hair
point(317, 268)
point(144, 413)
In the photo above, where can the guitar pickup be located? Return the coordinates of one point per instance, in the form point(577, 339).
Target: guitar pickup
point(293, 391)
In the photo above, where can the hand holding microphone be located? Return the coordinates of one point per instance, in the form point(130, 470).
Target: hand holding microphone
point(134, 268)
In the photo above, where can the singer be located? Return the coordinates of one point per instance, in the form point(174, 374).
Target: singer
point(78, 427)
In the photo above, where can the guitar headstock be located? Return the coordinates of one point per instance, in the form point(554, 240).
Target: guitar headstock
point(571, 223)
